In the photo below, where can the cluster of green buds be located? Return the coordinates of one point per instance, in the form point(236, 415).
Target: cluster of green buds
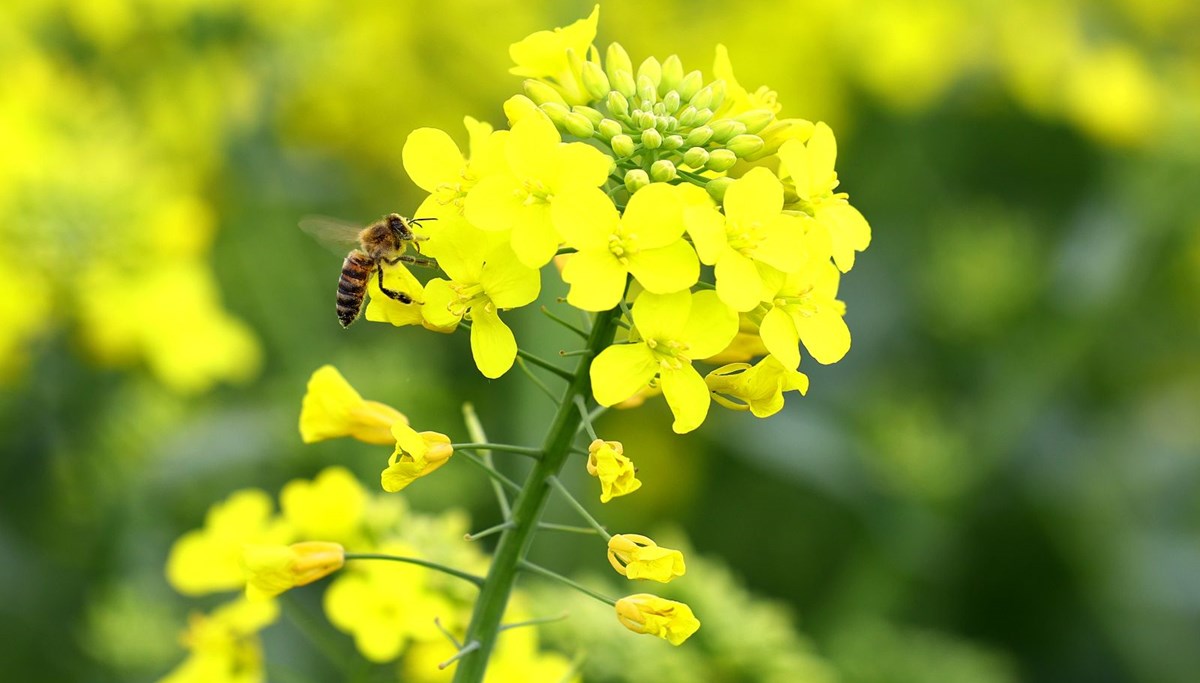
point(662, 124)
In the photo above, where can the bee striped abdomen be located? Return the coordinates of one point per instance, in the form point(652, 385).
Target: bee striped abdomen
point(352, 285)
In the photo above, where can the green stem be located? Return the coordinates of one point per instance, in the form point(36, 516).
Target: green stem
point(527, 511)
point(475, 429)
point(531, 451)
point(531, 567)
point(465, 576)
point(587, 516)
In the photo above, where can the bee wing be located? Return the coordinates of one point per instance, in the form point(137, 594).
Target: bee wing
point(336, 235)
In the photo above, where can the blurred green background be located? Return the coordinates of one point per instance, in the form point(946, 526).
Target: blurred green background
point(999, 483)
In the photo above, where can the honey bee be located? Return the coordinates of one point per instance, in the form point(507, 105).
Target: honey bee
point(381, 242)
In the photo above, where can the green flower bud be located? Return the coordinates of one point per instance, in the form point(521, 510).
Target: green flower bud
point(673, 142)
point(622, 82)
point(609, 129)
point(557, 113)
point(661, 123)
point(745, 145)
point(617, 103)
point(718, 91)
point(672, 124)
point(721, 160)
point(689, 116)
point(703, 98)
point(645, 120)
point(717, 187)
point(579, 126)
point(651, 70)
point(647, 90)
point(590, 114)
point(595, 81)
point(725, 129)
point(690, 85)
point(672, 74)
point(671, 102)
point(662, 171)
point(541, 93)
point(623, 145)
point(704, 116)
point(636, 179)
point(651, 139)
point(698, 137)
point(659, 109)
point(696, 157)
point(617, 59)
point(755, 119)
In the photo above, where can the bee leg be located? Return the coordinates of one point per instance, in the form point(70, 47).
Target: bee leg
point(398, 296)
point(413, 260)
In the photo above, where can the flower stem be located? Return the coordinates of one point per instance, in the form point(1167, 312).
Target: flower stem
point(527, 510)
point(536, 569)
point(477, 580)
point(501, 447)
point(587, 516)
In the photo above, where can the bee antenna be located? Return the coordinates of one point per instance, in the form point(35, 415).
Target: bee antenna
point(418, 220)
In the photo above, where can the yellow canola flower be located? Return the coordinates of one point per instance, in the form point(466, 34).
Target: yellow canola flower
point(386, 605)
point(675, 329)
point(758, 388)
point(518, 198)
point(805, 309)
point(274, 569)
point(434, 162)
point(646, 241)
point(746, 346)
point(753, 244)
point(670, 620)
point(416, 455)
point(209, 560)
point(557, 56)
point(485, 278)
point(223, 647)
point(608, 463)
point(382, 308)
point(811, 169)
point(332, 506)
point(332, 409)
point(638, 557)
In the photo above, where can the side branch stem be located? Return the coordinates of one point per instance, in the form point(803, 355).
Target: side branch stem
point(527, 509)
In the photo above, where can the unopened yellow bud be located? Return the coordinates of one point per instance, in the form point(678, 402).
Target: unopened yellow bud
point(698, 136)
point(591, 114)
point(638, 557)
point(271, 570)
point(617, 59)
point(744, 145)
point(670, 620)
point(718, 94)
point(663, 171)
point(717, 187)
point(755, 119)
point(721, 160)
point(703, 98)
point(652, 139)
point(623, 145)
point(690, 85)
point(671, 102)
point(647, 90)
point(557, 113)
point(672, 74)
point(608, 463)
point(617, 103)
point(595, 81)
point(650, 70)
point(726, 129)
point(541, 92)
point(636, 179)
point(609, 129)
point(579, 126)
point(672, 141)
point(696, 157)
point(416, 455)
point(622, 81)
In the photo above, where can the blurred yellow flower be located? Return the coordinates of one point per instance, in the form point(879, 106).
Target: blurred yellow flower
point(638, 557)
point(650, 614)
point(223, 647)
point(272, 569)
point(608, 463)
point(556, 55)
point(331, 506)
point(333, 409)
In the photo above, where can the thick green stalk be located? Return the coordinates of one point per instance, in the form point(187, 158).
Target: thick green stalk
point(527, 510)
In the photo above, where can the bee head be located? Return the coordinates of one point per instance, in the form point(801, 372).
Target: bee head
point(399, 226)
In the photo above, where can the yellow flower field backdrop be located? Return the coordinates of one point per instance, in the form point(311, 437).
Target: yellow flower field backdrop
point(998, 482)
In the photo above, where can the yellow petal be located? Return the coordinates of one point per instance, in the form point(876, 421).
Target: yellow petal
point(665, 270)
point(620, 371)
point(779, 335)
point(438, 299)
point(492, 343)
point(710, 325)
point(597, 280)
point(585, 217)
point(655, 215)
point(661, 316)
point(507, 282)
point(825, 335)
point(431, 158)
point(738, 282)
point(577, 164)
point(535, 240)
point(756, 196)
point(688, 397)
point(495, 203)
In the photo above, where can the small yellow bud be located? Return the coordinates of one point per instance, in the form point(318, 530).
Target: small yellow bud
point(725, 129)
point(416, 455)
point(617, 59)
point(608, 463)
point(663, 171)
point(644, 613)
point(690, 85)
point(645, 120)
point(672, 74)
point(579, 125)
point(672, 141)
point(636, 179)
point(652, 139)
point(638, 557)
point(721, 160)
point(717, 187)
point(671, 102)
point(651, 71)
point(557, 113)
point(744, 145)
point(647, 91)
point(698, 137)
point(703, 98)
point(696, 157)
point(755, 119)
point(541, 93)
point(622, 81)
point(609, 129)
point(271, 570)
point(595, 81)
point(623, 145)
point(593, 115)
point(718, 94)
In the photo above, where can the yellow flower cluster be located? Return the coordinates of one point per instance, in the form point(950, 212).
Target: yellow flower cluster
point(640, 179)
